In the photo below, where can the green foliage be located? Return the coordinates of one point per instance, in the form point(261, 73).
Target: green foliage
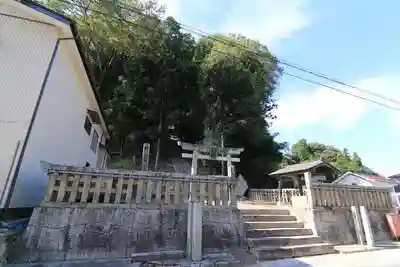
point(341, 159)
point(155, 80)
point(237, 89)
point(122, 163)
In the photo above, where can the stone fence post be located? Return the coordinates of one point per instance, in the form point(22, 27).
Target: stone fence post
point(310, 202)
point(3, 249)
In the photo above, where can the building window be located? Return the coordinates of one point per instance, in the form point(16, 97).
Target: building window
point(95, 140)
point(88, 125)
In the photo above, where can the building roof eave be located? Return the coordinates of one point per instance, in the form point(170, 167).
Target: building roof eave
point(57, 17)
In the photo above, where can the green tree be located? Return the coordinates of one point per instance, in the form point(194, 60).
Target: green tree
point(154, 81)
point(237, 89)
point(305, 151)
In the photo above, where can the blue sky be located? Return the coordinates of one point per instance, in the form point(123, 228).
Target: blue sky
point(354, 41)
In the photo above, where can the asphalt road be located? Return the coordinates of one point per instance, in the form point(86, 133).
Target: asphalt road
point(380, 258)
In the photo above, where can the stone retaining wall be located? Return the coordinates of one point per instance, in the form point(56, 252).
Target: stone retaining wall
point(116, 232)
point(222, 230)
point(74, 233)
point(336, 225)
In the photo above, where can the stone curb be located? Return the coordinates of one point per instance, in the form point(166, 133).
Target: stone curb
point(366, 248)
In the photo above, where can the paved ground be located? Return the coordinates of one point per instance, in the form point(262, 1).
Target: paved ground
point(379, 258)
point(376, 258)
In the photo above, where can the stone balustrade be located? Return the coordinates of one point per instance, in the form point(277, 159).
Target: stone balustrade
point(85, 185)
point(283, 196)
point(336, 195)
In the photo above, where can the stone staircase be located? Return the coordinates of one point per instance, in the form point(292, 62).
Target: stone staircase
point(273, 233)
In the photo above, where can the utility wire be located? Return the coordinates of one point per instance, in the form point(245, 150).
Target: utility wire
point(248, 49)
point(341, 91)
point(220, 40)
point(283, 62)
point(10, 121)
point(325, 77)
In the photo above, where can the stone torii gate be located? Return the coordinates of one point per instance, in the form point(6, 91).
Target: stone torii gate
point(194, 223)
point(196, 152)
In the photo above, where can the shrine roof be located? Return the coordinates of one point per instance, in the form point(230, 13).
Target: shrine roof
point(301, 167)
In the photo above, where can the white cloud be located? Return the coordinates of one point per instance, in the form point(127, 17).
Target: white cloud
point(173, 7)
point(338, 111)
point(265, 20)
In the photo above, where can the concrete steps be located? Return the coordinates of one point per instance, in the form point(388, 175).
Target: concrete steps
point(273, 253)
point(252, 233)
point(272, 224)
point(265, 211)
point(267, 218)
point(273, 233)
point(280, 241)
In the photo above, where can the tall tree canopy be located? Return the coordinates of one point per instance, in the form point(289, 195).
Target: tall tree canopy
point(237, 87)
point(303, 150)
point(155, 80)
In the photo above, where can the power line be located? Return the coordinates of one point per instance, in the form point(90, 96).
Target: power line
point(248, 49)
point(283, 62)
point(341, 91)
point(10, 121)
point(323, 76)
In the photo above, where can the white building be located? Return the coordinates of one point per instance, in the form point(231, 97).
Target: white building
point(48, 109)
point(363, 179)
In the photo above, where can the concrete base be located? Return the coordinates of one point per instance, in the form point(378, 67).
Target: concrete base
point(106, 232)
point(125, 263)
point(348, 249)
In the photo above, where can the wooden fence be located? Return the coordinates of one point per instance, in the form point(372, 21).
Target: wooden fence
point(274, 196)
point(336, 195)
point(84, 185)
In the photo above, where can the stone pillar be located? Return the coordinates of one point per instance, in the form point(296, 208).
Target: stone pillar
point(369, 235)
point(145, 156)
point(193, 172)
point(190, 240)
point(296, 182)
point(358, 224)
point(279, 190)
point(310, 202)
point(308, 182)
point(49, 189)
point(3, 249)
point(197, 231)
point(229, 165)
point(189, 231)
point(193, 169)
point(194, 232)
